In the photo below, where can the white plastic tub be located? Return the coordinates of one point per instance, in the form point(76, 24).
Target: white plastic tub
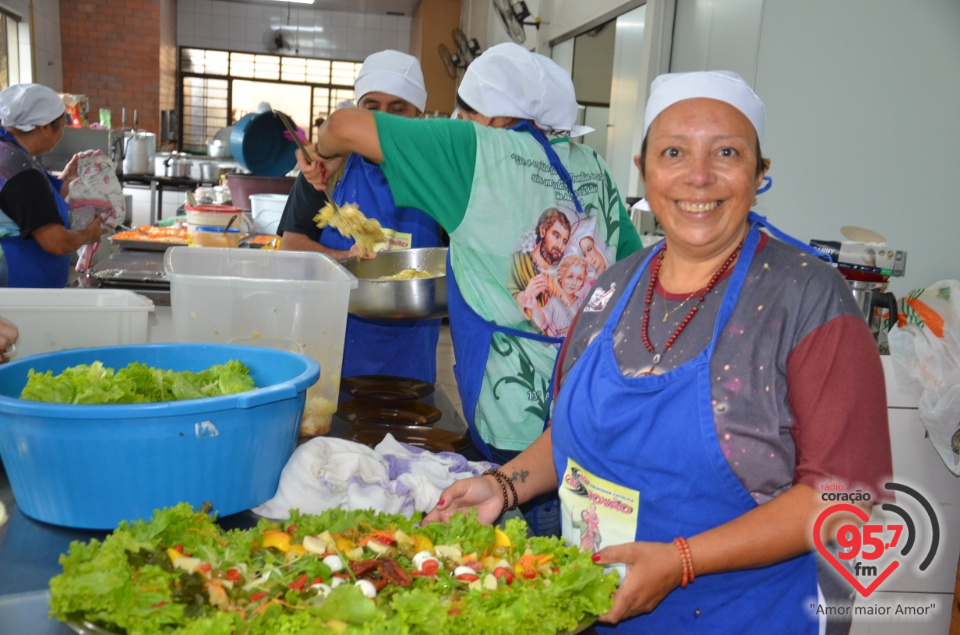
point(267, 209)
point(52, 320)
point(279, 299)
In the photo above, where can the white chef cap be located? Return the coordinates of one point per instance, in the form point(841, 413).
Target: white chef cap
point(724, 86)
point(507, 80)
point(393, 73)
point(26, 106)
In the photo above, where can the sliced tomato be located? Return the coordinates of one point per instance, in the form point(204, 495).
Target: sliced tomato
point(233, 574)
point(467, 577)
point(297, 584)
point(259, 595)
point(503, 573)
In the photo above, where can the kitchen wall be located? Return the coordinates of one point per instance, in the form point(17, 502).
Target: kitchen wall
point(42, 58)
point(862, 127)
point(322, 34)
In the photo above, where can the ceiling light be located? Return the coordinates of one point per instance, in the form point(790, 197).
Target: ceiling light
point(297, 1)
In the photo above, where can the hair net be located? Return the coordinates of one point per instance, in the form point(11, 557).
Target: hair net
point(393, 73)
point(507, 80)
point(26, 106)
point(724, 86)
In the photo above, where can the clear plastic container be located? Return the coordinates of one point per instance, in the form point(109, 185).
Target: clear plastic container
point(213, 237)
point(240, 295)
point(57, 319)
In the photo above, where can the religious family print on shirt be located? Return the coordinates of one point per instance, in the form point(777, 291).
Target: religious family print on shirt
point(555, 267)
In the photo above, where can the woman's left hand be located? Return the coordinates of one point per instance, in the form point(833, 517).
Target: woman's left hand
point(654, 569)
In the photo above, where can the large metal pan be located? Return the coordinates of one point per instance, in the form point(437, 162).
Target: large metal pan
point(413, 299)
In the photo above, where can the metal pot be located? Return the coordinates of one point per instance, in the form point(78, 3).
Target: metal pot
point(176, 167)
point(413, 299)
point(139, 150)
point(210, 172)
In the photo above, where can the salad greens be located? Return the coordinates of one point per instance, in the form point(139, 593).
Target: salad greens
point(136, 383)
point(351, 572)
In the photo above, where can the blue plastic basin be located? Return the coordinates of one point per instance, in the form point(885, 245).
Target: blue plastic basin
point(92, 466)
point(258, 144)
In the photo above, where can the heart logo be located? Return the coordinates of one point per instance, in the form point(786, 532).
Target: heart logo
point(862, 515)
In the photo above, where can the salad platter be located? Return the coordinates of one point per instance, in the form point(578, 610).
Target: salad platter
point(350, 572)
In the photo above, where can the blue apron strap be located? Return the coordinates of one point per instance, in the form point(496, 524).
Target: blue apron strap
point(562, 171)
point(787, 238)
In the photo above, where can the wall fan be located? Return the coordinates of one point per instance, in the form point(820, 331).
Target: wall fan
point(451, 61)
point(513, 14)
point(276, 41)
point(469, 49)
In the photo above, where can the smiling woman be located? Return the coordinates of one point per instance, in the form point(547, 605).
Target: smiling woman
point(731, 410)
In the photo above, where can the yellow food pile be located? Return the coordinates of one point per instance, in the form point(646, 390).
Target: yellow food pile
point(410, 274)
point(350, 222)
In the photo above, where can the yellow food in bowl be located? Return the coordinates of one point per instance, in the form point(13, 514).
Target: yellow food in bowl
point(411, 274)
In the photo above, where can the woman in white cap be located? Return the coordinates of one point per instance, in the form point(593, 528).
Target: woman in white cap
point(708, 401)
point(390, 82)
point(35, 232)
point(489, 185)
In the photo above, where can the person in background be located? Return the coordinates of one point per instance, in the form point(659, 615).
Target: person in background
point(389, 82)
point(710, 398)
point(8, 338)
point(487, 180)
point(35, 232)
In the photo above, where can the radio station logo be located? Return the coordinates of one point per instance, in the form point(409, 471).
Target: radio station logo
point(877, 550)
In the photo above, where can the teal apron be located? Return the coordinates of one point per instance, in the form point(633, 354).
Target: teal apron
point(651, 443)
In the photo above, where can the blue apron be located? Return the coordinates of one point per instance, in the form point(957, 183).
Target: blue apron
point(655, 437)
point(28, 264)
point(406, 348)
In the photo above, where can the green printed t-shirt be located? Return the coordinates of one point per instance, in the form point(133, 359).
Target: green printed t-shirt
point(512, 222)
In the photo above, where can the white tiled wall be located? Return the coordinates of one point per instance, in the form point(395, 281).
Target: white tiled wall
point(239, 26)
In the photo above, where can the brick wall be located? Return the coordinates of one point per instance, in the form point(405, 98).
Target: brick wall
point(119, 54)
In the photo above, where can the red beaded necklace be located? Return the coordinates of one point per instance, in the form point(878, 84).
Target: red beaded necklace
point(702, 293)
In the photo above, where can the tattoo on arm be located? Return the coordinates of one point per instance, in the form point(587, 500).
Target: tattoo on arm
point(519, 476)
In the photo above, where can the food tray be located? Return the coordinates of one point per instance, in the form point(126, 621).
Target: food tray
point(144, 245)
point(132, 268)
point(150, 238)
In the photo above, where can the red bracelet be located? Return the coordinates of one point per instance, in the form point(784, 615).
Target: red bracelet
point(686, 561)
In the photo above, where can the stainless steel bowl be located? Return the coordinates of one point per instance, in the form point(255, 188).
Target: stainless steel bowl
point(414, 299)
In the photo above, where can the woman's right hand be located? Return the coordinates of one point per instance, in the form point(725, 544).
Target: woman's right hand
point(93, 231)
point(482, 493)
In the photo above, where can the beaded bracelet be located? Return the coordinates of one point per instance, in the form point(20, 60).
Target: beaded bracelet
point(497, 475)
point(686, 560)
point(513, 490)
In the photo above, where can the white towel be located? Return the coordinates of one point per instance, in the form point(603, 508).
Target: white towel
point(394, 478)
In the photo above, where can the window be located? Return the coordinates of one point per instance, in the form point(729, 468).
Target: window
point(219, 87)
point(9, 49)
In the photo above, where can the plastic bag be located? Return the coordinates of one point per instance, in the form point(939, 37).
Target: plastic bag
point(95, 192)
point(925, 350)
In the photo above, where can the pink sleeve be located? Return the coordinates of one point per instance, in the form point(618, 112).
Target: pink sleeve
point(838, 397)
